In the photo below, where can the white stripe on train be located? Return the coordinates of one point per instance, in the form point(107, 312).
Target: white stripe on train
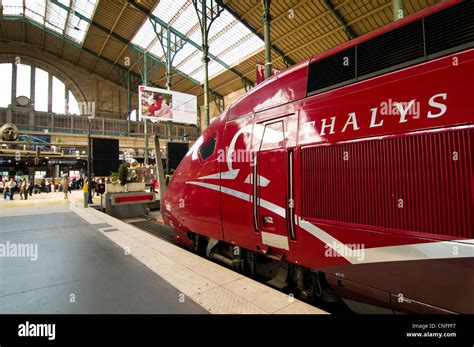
point(419, 251)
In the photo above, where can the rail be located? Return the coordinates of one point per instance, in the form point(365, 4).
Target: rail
point(73, 124)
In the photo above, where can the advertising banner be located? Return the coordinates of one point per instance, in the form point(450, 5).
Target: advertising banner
point(166, 105)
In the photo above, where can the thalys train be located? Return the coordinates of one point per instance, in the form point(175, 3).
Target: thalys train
point(348, 176)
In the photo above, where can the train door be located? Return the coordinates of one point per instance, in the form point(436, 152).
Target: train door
point(236, 190)
point(273, 187)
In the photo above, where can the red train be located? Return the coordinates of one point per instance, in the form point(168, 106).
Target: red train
point(349, 175)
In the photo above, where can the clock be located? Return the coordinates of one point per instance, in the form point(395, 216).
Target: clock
point(22, 100)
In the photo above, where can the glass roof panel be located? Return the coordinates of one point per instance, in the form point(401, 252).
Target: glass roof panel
point(192, 63)
point(54, 17)
point(157, 50)
point(12, 7)
point(227, 37)
point(76, 28)
point(214, 69)
point(244, 49)
point(196, 36)
point(65, 2)
point(84, 7)
point(144, 35)
point(220, 23)
point(186, 20)
point(167, 9)
point(184, 54)
point(198, 74)
point(35, 10)
point(225, 40)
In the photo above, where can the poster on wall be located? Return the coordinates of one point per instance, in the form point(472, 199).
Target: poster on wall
point(166, 105)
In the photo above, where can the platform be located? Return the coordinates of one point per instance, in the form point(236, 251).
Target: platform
point(89, 262)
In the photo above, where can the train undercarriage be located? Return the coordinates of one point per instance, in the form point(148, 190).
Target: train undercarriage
point(308, 285)
point(330, 291)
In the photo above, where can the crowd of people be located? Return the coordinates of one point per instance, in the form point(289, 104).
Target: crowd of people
point(12, 186)
point(26, 188)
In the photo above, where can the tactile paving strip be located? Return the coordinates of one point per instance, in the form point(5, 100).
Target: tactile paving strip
point(214, 287)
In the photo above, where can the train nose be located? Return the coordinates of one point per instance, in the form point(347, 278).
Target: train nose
point(168, 205)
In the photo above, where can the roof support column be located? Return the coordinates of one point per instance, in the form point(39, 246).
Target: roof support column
point(205, 61)
point(129, 86)
point(14, 69)
point(202, 13)
point(32, 85)
point(50, 92)
point(129, 104)
point(145, 121)
point(169, 61)
point(266, 19)
point(170, 52)
point(66, 100)
point(397, 8)
point(169, 80)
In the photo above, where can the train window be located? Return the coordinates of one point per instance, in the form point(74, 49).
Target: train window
point(208, 149)
point(273, 137)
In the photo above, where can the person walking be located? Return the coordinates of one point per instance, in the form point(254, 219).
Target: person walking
point(101, 187)
point(5, 189)
point(31, 186)
point(65, 186)
point(85, 189)
point(23, 189)
point(11, 188)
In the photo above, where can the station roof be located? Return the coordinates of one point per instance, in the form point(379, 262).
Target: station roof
point(104, 36)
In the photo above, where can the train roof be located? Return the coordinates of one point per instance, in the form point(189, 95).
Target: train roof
point(291, 84)
point(287, 86)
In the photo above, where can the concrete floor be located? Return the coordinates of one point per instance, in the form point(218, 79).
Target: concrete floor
point(78, 269)
point(90, 262)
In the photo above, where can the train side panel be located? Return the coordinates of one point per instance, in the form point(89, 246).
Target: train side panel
point(389, 188)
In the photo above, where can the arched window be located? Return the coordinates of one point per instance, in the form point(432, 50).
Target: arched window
point(41, 90)
point(73, 105)
point(59, 96)
point(63, 101)
point(5, 87)
point(23, 80)
point(133, 116)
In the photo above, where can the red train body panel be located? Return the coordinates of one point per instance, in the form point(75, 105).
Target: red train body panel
point(370, 183)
